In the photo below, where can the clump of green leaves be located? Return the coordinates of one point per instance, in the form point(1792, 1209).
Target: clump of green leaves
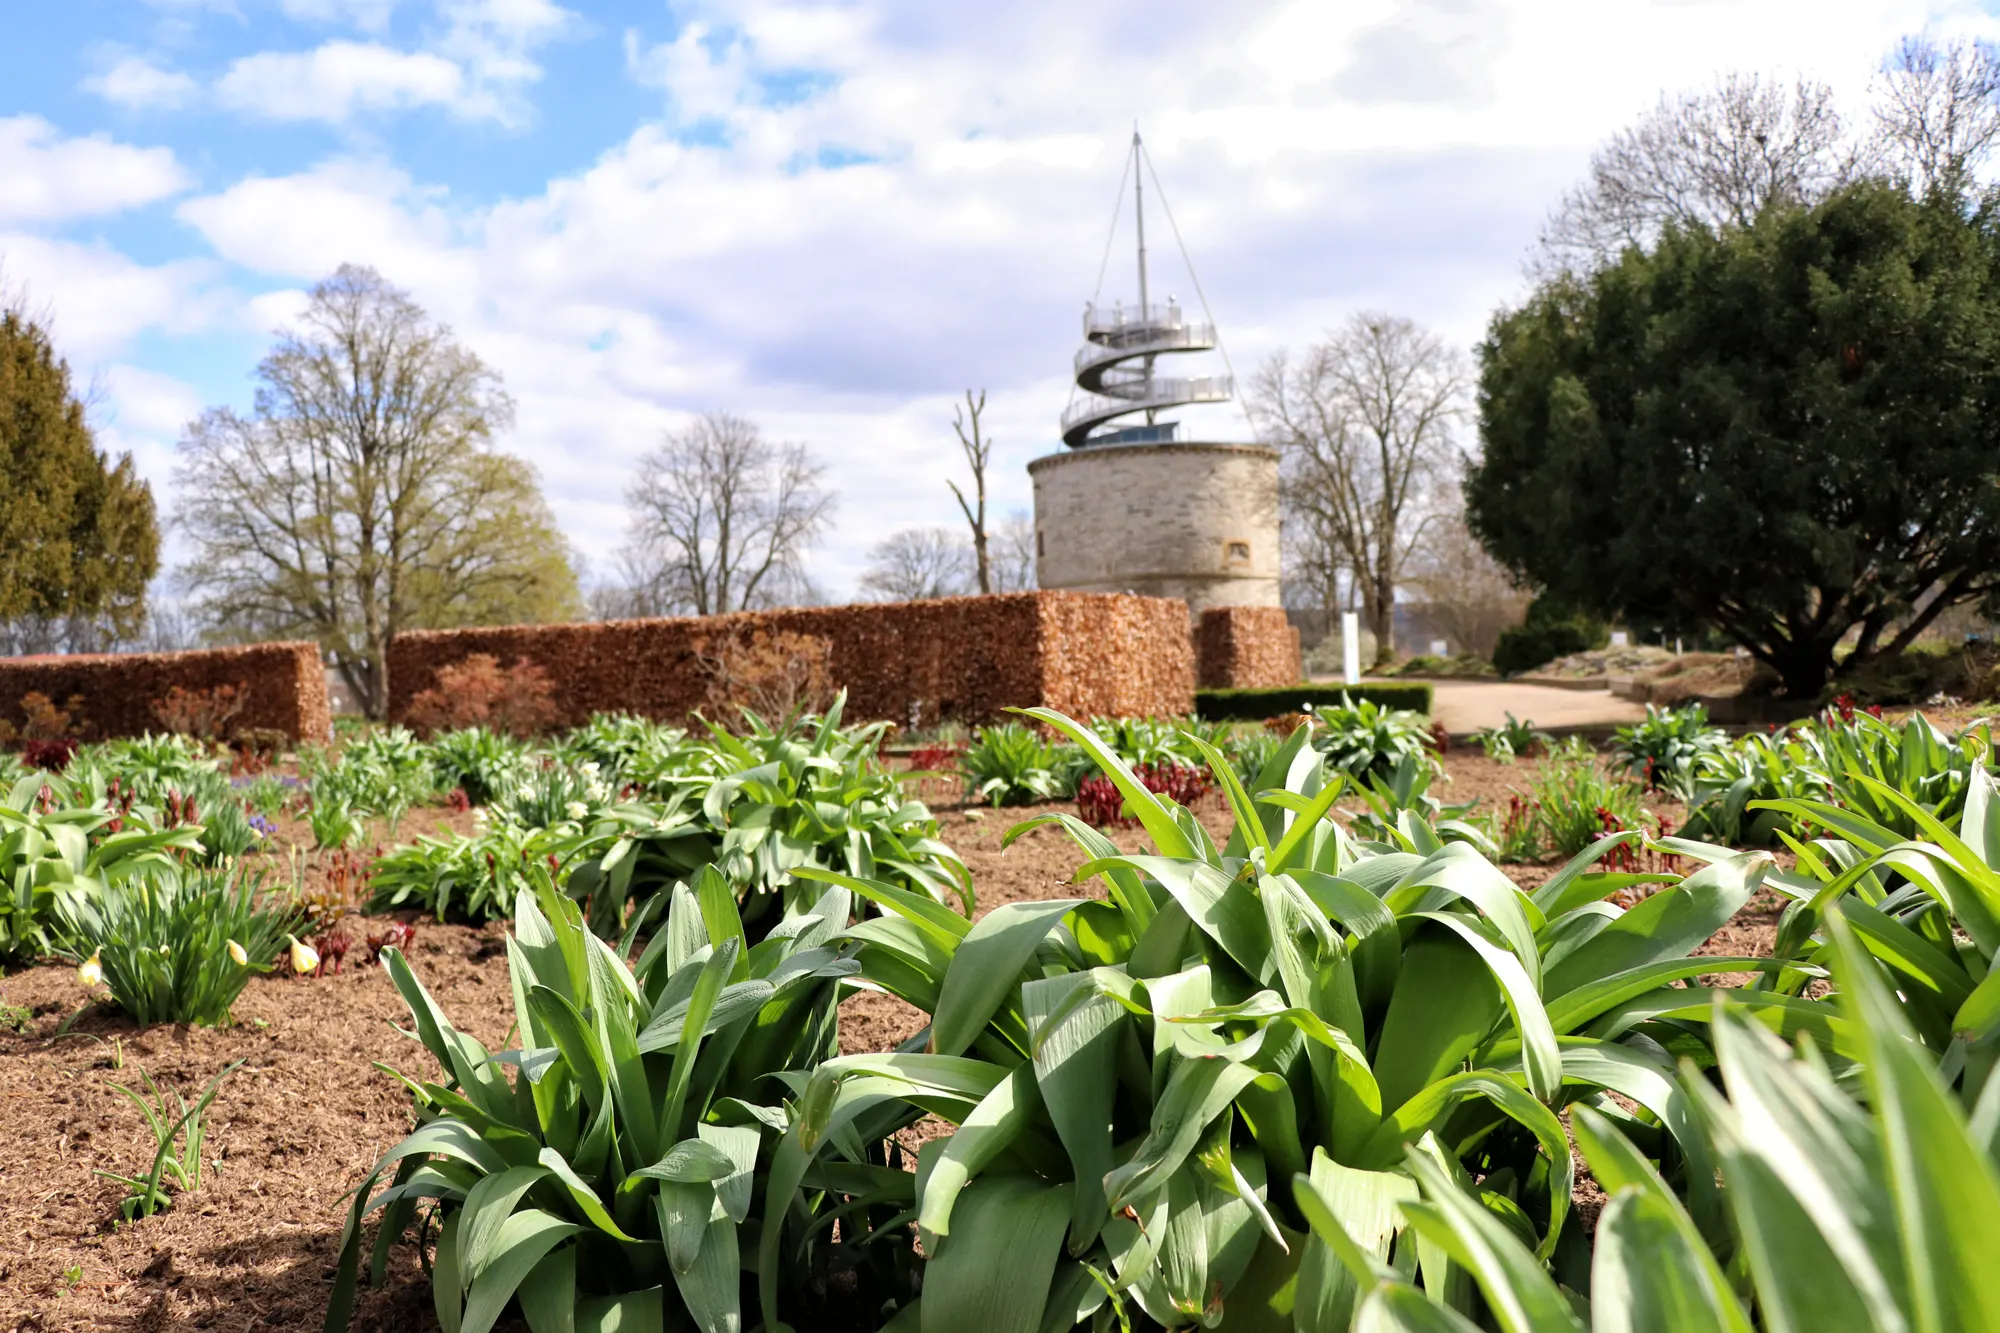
point(465, 879)
point(1662, 751)
point(58, 842)
point(629, 749)
point(335, 822)
point(1577, 802)
point(1729, 790)
point(1511, 740)
point(178, 1132)
point(1013, 764)
point(1138, 1080)
point(177, 945)
point(626, 1166)
point(480, 762)
point(762, 807)
point(1363, 738)
point(1835, 1162)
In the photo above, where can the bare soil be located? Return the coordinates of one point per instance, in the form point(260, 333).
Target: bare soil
point(306, 1116)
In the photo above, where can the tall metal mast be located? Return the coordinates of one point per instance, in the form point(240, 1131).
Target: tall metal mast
point(1115, 366)
point(1139, 204)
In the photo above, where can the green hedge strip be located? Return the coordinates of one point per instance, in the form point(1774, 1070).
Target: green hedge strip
point(1255, 705)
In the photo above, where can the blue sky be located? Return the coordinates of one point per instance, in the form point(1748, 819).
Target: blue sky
point(831, 218)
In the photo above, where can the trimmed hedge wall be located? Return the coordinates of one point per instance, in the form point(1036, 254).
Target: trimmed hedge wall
point(1245, 647)
point(966, 658)
point(1255, 705)
point(283, 684)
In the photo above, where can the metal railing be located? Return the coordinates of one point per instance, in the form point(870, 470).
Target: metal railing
point(1153, 394)
point(1143, 340)
point(1119, 317)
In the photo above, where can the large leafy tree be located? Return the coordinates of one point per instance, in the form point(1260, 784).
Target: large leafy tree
point(78, 538)
point(362, 495)
point(1789, 430)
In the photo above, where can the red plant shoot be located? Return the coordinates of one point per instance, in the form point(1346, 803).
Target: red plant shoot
point(1100, 804)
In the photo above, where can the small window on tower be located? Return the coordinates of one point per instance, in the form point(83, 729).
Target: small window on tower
point(1041, 547)
point(1235, 553)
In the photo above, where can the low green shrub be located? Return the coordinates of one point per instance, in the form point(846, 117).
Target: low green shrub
point(806, 793)
point(1865, 763)
point(176, 946)
point(1924, 904)
point(547, 794)
point(146, 768)
point(1728, 789)
point(1399, 803)
point(455, 878)
point(1465, 666)
point(1547, 633)
point(630, 749)
point(1913, 676)
point(769, 803)
point(1255, 705)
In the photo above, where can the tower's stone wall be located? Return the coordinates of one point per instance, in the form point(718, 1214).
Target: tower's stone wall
point(1193, 521)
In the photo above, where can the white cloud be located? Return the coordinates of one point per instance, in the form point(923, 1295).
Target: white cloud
point(101, 300)
point(45, 177)
point(338, 80)
point(142, 413)
point(137, 83)
point(304, 226)
point(476, 63)
point(367, 15)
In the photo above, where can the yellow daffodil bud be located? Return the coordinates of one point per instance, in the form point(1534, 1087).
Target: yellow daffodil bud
point(304, 957)
point(91, 971)
point(237, 956)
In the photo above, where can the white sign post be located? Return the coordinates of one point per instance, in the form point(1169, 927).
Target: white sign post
point(1350, 646)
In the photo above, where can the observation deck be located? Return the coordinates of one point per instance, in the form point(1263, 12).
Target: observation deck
point(1115, 367)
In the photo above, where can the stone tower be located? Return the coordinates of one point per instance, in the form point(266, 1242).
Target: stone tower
point(1134, 507)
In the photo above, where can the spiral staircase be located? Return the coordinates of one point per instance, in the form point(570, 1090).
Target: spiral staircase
point(1115, 369)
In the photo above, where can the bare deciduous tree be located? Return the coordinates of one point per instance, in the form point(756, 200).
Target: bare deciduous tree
point(361, 497)
point(722, 519)
point(1365, 421)
point(1471, 597)
point(1721, 156)
point(978, 448)
point(1937, 110)
point(911, 564)
point(1013, 553)
point(1711, 158)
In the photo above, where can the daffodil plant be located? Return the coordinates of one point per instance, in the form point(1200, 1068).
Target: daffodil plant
point(176, 944)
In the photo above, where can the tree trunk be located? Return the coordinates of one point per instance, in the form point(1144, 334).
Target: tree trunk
point(376, 705)
point(1381, 610)
point(1803, 667)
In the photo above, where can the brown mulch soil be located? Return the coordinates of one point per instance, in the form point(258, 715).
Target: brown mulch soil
point(306, 1116)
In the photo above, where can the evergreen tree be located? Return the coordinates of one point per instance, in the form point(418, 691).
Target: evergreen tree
point(1789, 430)
point(78, 537)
